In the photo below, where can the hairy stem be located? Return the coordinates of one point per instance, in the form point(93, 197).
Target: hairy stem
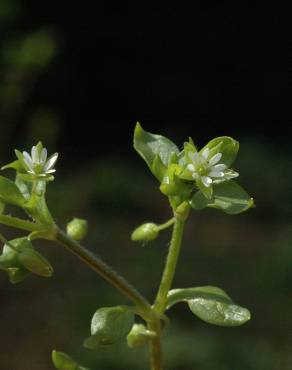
point(104, 271)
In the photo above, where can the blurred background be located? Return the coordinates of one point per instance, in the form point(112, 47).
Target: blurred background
point(78, 78)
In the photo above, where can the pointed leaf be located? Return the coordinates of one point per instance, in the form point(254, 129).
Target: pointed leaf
point(225, 145)
point(210, 304)
point(62, 361)
point(9, 192)
point(150, 145)
point(228, 196)
point(109, 325)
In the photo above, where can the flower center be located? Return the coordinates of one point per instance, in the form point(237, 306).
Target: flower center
point(201, 170)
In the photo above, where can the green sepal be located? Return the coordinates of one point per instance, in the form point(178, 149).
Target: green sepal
point(206, 191)
point(150, 145)
point(109, 325)
point(62, 361)
point(228, 196)
point(17, 274)
point(225, 145)
point(158, 168)
point(10, 263)
point(15, 165)
point(10, 193)
point(139, 336)
point(210, 304)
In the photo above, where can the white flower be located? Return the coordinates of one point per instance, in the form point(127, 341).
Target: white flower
point(209, 170)
point(37, 163)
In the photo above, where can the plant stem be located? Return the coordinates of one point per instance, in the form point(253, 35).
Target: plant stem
point(156, 362)
point(166, 224)
point(104, 271)
point(170, 265)
point(18, 223)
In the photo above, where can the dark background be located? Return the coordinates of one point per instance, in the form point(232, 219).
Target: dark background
point(78, 77)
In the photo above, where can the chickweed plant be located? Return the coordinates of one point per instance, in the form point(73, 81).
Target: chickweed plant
point(191, 179)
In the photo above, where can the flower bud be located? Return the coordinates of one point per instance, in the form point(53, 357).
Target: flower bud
point(77, 228)
point(35, 262)
point(145, 232)
point(138, 336)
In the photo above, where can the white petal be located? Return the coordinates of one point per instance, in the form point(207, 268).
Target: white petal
point(206, 181)
point(195, 175)
point(191, 167)
point(193, 155)
point(34, 154)
point(215, 159)
point(219, 167)
point(51, 171)
point(27, 160)
point(205, 153)
point(216, 173)
point(51, 161)
point(44, 154)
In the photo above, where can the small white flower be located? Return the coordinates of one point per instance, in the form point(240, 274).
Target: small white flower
point(207, 169)
point(37, 163)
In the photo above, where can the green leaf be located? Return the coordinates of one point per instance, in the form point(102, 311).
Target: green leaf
point(228, 196)
point(109, 325)
point(62, 361)
point(2, 207)
point(17, 274)
point(9, 192)
point(150, 145)
point(225, 145)
point(210, 304)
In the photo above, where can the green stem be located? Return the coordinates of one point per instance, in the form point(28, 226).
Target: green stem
point(156, 362)
point(170, 266)
point(105, 271)
point(18, 223)
point(166, 224)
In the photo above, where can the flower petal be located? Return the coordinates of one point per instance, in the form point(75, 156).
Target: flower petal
point(50, 162)
point(27, 160)
point(219, 167)
point(207, 181)
point(205, 153)
point(216, 173)
point(34, 154)
point(44, 154)
point(215, 159)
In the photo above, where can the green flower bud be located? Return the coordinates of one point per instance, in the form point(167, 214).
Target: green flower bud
point(145, 232)
point(35, 262)
point(138, 336)
point(77, 228)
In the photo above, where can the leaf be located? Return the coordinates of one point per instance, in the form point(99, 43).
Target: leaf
point(150, 145)
point(225, 145)
point(35, 262)
point(210, 304)
point(228, 196)
point(109, 325)
point(9, 192)
point(62, 361)
point(2, 207)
